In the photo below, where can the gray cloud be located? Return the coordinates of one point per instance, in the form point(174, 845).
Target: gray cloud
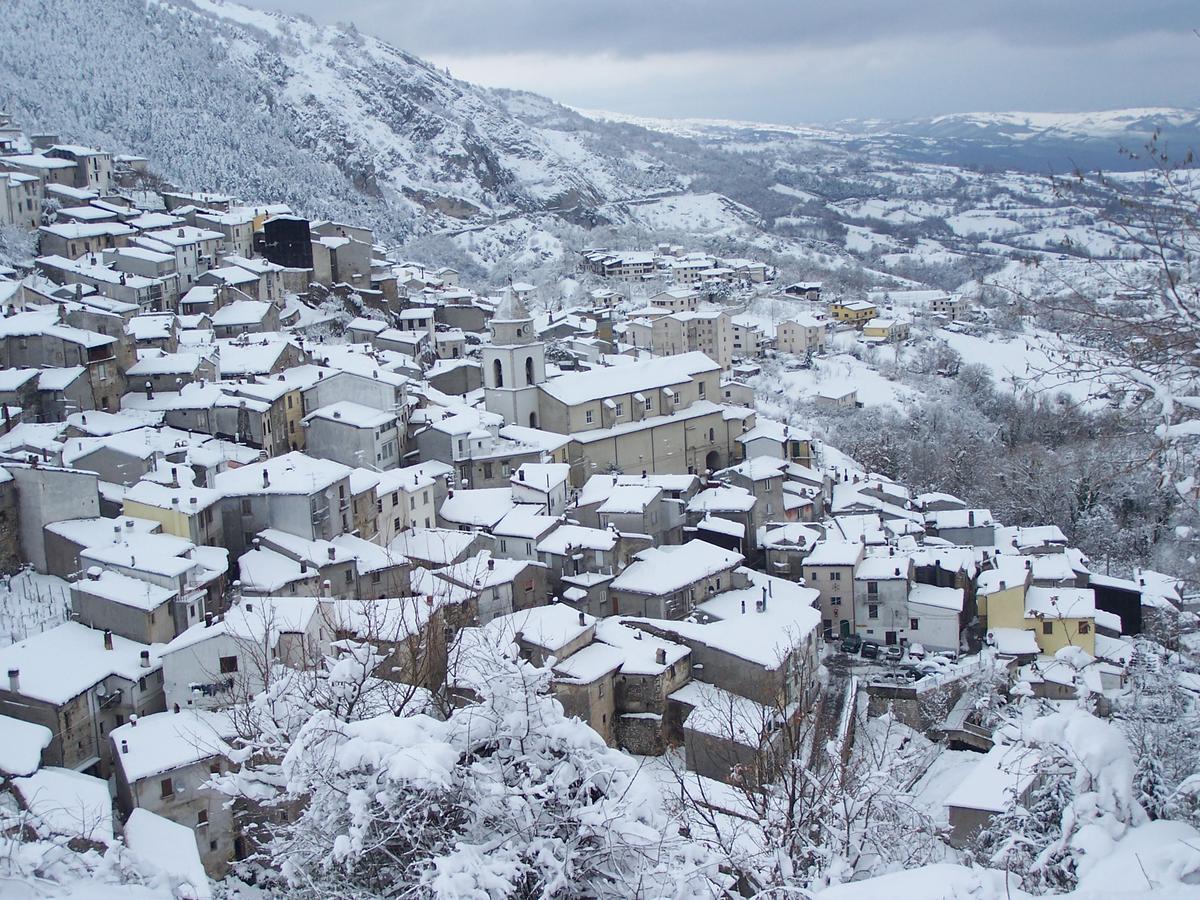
point(798, 60)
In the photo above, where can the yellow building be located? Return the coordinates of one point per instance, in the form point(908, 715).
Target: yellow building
point(185, 511)
point(885, 330)
point(853, 312)
point(1058, 616)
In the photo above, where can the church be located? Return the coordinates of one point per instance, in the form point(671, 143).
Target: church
point(659, 415)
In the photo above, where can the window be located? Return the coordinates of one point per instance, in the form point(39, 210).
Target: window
point(215, 767)
point(425, 495)
point(412, 502)
point(701, 387)
point(396, 495)
point(914, 624)
point(202, 818)
point(349, 576)
point(246, 508)
point(872, 587)
point(835, 600)
point(1047, 628)
point(600, 692)
point(167, 787)
point(835, 576)
point(229, 664)
point(587, 417)
point(1085, 627)
point(620, 408)
point(873, 611)
point(396, 523)
point(487, 470)
point(646, 404)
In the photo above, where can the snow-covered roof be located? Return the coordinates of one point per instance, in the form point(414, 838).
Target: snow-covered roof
point(835, 553)
point(162, 742)
point(940, 597)
point(663, 570)
point(629, 499)
point(482, 507)
point(292, 473)
point(439, 546)
point(725, 498)
point(725, 715)
point(1060, 602)
point(568, 538)
point(609, 381)
point(43, 676)
point(21, 749)
point(168, 847)
point(68, 803)
point(259, 620)
point(117, 588)
point(549, 627)
point(590, 664)
point(483, 571)
point(1015, 641)
point(356, 415)
point(882, 568)
point(990, 786)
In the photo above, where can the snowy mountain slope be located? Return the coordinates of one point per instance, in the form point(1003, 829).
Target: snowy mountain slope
point(266, 105)
point(269, 107)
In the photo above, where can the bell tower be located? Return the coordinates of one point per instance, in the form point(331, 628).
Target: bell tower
point(514, 364)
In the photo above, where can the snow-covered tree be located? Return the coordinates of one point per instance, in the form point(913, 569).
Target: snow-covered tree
point(504, 797)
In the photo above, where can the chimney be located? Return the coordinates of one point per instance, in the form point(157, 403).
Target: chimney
point(124, 746)
point(326, 588)
point(743, 607)
point(332, 553)
point(971, 518)
point(208, 620)
point(764, 600)
point(660, 656)
point(891, 551)
point(491, 565)
point(1029, 564)
point(897, 570)
point(249, 606)
point(582, 617)
point(145, 659)
point(176, 709)
point(108, 644)
point(521, 474)
point(266, 479)
point(1003, 585)
point(14, 681)
point(133, 721)
point(257, 543)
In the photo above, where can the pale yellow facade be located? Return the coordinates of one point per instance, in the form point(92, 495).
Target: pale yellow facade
point(1006, 609)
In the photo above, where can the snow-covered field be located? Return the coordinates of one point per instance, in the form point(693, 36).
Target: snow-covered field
point(30, 603)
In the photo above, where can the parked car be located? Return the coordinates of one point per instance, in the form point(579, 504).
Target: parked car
point(870, 650)
point(851, 643)
point(951, 655)
point(916, 651)
point(893, 653)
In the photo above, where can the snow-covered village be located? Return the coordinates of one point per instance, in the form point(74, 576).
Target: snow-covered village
point(411, 488)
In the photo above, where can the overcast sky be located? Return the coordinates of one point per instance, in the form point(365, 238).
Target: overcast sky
point(797, 61)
